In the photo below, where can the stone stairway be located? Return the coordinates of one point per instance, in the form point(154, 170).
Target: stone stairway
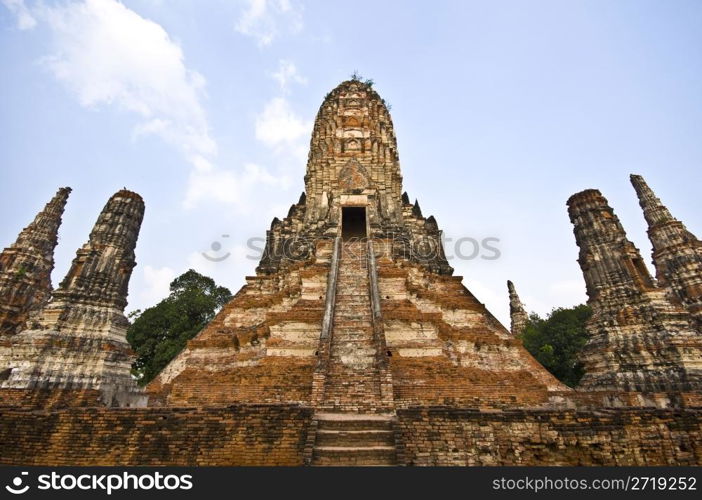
point(352, 380)
point(353, 426)
point(354, 439)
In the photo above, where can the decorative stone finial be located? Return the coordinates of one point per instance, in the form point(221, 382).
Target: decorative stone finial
point(677, 253)
point(517, 313)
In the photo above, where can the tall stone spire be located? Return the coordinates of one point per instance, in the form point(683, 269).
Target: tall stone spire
point(354, 162)
point(677, 253)
point(654, 211)
point(99, 275)
point(77, 341)
point(640, 339)
point(26, 265)
point(517, 313)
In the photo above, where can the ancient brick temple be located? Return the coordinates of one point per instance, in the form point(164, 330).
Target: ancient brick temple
point(353, 344)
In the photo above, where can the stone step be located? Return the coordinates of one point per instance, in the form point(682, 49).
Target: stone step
point(350, 302)
point(352, 297)
point(349, 323)
point(351, 367)
point(356, 348)
point(353, 289)
point(353, 421)
point(352, 342)
point(356, 438)
point(351, 455)
point(352, 401)
point(353, 345)
point(363, 319)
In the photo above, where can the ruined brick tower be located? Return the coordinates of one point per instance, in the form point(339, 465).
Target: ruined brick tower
point(26, 265)
point(517, 313)
point(641, 339)
point(677, 253)
point(77, 340)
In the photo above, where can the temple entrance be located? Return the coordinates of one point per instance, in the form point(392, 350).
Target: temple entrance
point(353, 222)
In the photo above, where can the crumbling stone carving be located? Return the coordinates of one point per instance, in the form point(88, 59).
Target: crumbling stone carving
point(641, 339)
point(26, 265)
point(77, 340)
point(517, 313)
point(677, 253)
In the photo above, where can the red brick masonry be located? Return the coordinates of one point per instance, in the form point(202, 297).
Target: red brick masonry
point(276, 435)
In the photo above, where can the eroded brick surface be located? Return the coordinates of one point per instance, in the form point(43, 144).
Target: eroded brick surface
point(451, 436)
point(238, 435)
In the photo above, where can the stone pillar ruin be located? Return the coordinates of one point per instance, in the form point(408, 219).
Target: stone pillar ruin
point(640, 339)
point(517, 313)
point(677, 253)
point(26, 265)
point(78, 340)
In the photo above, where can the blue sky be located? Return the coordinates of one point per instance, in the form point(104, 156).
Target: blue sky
point(502, 110)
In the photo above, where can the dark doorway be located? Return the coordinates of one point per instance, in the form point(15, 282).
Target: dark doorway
point(353, 222)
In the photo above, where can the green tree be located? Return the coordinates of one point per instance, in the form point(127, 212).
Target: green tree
point(557, 340)
point(160, 332)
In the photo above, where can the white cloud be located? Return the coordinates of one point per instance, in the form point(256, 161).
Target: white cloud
point(278, 125)
point(25, 19)
point(157, 284)
point(107, 54)
point(265, 20)
point(287, 73)
point(225, 186)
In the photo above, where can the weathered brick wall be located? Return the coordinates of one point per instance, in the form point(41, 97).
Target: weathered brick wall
point(445, 436)
point(49, 398)
point(259, 349)
point(237, 435)
point(277, 434)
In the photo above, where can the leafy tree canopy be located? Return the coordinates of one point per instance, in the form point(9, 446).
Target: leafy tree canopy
point(557, 340)
point(160, 332)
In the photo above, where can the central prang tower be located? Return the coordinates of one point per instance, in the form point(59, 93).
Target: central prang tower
point(353, 184)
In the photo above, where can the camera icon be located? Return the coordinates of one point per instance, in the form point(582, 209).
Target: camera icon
point(216, 246)
point(16, 488)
